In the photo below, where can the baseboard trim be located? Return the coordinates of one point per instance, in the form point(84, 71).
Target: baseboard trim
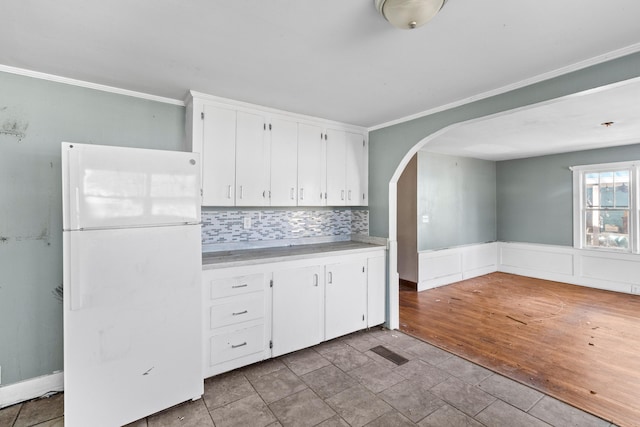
point(31, 388)
point(408, 284)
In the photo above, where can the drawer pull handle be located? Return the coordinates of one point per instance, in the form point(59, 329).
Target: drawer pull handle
point(244, 285)
point(239, 345)
point(239, 313)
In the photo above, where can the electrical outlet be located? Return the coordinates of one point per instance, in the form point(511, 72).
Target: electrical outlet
point(247, 222)
point(425, 219)
point(635, 289)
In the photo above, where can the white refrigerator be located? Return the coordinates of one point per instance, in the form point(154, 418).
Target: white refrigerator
point(132, 269)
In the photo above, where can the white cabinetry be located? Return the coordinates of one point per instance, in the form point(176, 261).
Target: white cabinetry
point(216, 146)
point(236, 322)
point(251, 163)
point(376, 290)
point(345, 298)
point(336, 167)
point(269, 309)
point(284, 162)
point(346, 168)
point(298, 303)
point(311, 166)
point(356, 169)
point(257, 156)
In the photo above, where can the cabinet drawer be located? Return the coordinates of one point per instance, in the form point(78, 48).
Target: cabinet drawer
point(237, 285)
point(235, 344)
point(237, 309)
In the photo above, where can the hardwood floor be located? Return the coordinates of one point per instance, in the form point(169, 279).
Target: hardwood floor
point(577, 344)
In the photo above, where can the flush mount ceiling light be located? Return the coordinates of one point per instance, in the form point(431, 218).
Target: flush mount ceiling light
point(409, 14)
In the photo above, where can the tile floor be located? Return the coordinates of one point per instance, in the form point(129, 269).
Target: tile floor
point(342, 383)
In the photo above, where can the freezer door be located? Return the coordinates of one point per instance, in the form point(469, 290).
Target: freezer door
point(107, 187)
point(132, 323)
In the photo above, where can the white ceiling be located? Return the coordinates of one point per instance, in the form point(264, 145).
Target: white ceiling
point(336, 59)
point(567, 124)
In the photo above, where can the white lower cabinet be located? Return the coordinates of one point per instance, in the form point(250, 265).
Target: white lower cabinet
point(298, 303)
point(376, 290)
point(266, 310)
point(345, 298)
point(236, 320)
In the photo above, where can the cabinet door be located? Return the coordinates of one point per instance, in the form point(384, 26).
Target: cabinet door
point(336, 167)
point(284, 168)
point(252, 184)
point(355, 169)
point(345, 298)
point(297, 309)
point(376, 290)
point(219, 146)
point(311, 166)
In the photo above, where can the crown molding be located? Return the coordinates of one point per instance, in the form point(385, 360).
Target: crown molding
point(634, 48)
point(88, 85)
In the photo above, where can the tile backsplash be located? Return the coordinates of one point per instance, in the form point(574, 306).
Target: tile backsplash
point(224, 227)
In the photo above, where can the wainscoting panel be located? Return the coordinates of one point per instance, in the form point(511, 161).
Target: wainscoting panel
point(591, 268)
point(445, 266)
point(553, 260)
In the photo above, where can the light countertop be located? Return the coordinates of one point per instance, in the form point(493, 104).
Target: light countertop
point(287, 253)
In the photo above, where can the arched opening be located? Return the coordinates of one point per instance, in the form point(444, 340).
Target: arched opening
point(609, 99)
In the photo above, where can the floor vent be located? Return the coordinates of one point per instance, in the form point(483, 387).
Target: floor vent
point(389, 355)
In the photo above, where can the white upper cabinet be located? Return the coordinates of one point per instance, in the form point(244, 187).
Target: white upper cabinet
point(336, 167)
point(284, 162)
point(346, 168)
point(311, 165)
point(356, 169)
point(218, 152)
point(252, 179)
point(257, 156)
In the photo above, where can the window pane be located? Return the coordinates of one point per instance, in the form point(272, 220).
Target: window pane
point(621, 183)
point(607, 189)
point(607, 228)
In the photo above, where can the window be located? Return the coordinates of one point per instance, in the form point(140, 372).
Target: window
point(605, 203)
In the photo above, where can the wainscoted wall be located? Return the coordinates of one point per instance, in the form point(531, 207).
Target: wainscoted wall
point(222, 228)
point(445, 266)
point(591, 268)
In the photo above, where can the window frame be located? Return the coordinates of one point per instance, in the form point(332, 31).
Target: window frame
point(579, 172)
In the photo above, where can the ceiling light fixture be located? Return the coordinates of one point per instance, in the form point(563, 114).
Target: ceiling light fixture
point(409, 14)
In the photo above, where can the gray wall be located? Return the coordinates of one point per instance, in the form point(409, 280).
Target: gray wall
point(408, 222)
point(535, 201)
point(458, 194)
point(389, 145)
point(35, 117)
